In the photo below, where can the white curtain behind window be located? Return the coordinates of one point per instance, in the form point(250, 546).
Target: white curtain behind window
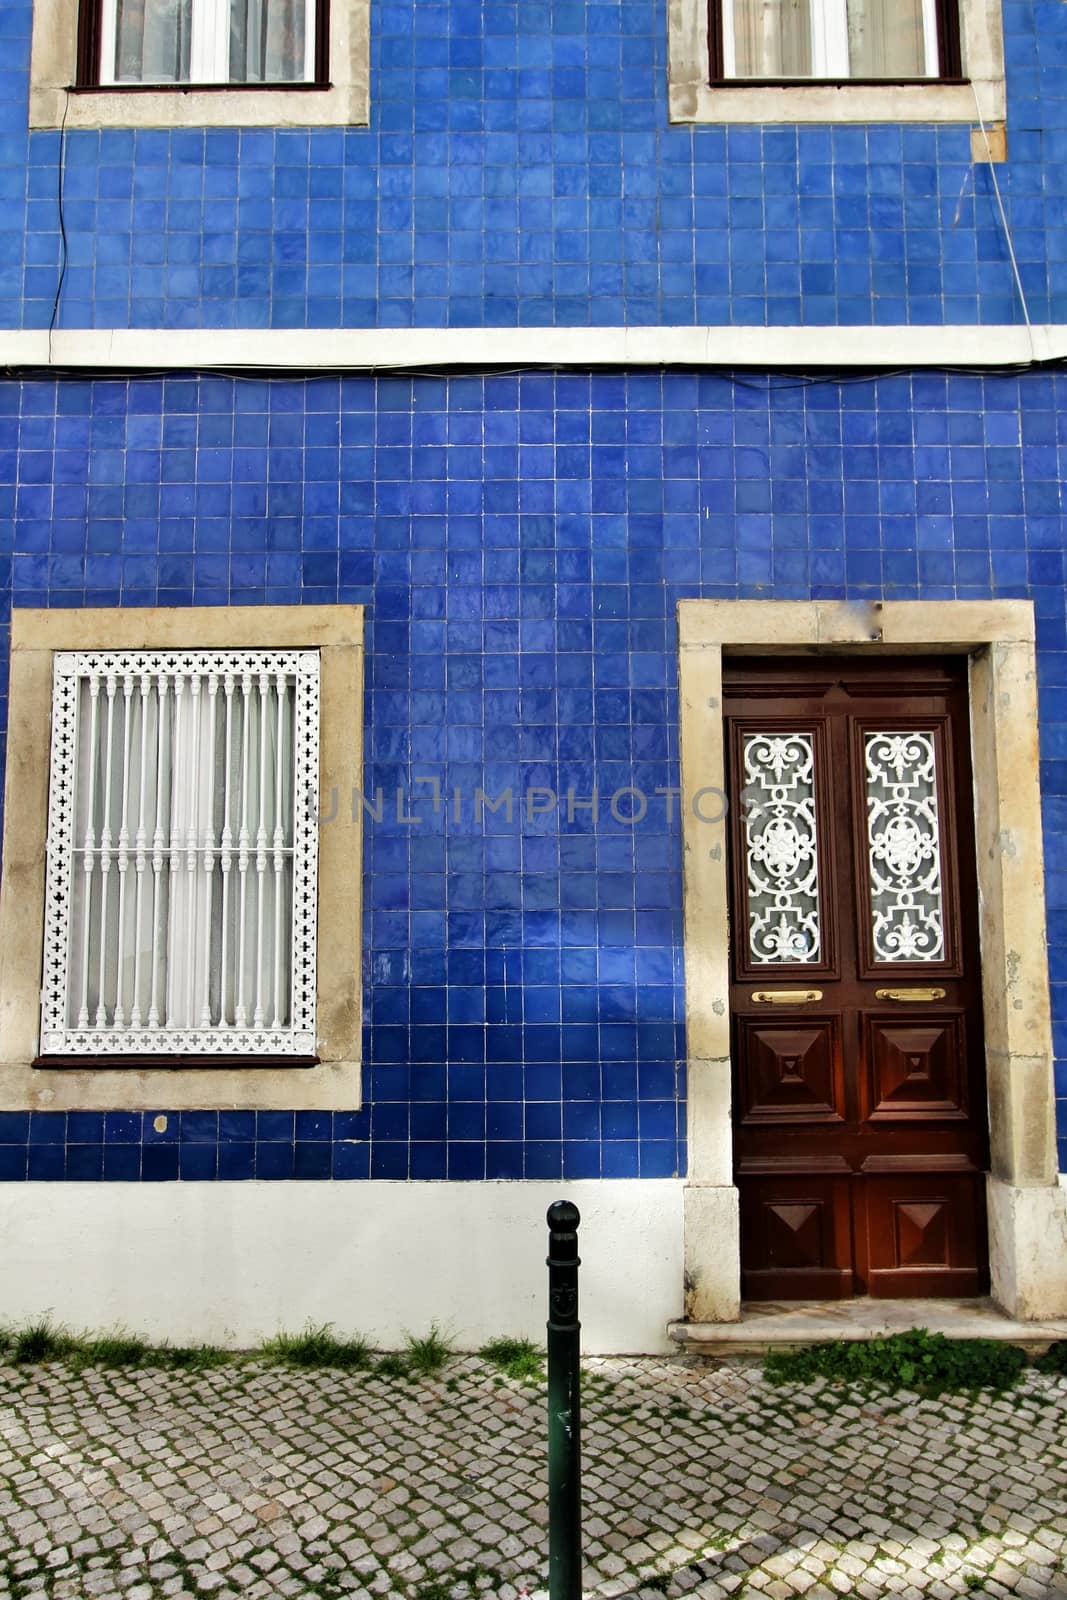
point(229, 41)
point(267, 41)
point(885, 38)
point(830, 38)
point(152, 39)
point(772, 38)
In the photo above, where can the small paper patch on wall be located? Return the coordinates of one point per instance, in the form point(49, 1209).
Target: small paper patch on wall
point(989, 143)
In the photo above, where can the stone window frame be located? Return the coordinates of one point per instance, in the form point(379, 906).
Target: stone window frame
point(55, 103)
point(692, 98)
point(334, 1084)
point(1027, 1205)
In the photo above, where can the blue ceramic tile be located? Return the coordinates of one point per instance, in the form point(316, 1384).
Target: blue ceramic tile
point(13, 1159)
point(45, 1163)
point(122, 1163)
point(159, 1163)
point(198, 1162)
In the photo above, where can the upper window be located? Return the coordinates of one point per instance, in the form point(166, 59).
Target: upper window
point(174, 896)
point(141, 42)
point(834, 40)
point(199, 63)
point(868, 61)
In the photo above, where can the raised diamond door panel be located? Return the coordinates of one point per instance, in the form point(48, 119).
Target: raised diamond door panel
point(920, 1234)
point(917, 1070)
point(803, 1229)
point(794, 1072)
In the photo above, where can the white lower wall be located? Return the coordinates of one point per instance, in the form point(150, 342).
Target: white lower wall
point(230, 1263)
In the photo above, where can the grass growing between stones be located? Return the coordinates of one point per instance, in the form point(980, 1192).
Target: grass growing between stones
point(427, 1355)
point(515, 1358)
point(44, 1341)
point(1054, 1359)
point(317, 1346)
point(925, 1363)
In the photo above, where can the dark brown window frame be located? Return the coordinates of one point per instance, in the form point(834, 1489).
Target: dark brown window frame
point(948, 54)
point(87, 73)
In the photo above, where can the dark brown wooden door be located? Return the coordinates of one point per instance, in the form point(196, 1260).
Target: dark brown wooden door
point(859, 1097)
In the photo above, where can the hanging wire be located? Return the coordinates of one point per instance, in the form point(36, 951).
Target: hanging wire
point(62, 224)
point(1004, 223)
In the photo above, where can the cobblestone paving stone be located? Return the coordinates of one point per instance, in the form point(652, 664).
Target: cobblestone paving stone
point(700, 1482)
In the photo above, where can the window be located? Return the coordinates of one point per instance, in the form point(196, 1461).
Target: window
point(821, 61)
point(201, 42)
point(199, 63)
point(172, 897)
point(869, 40)
point(182, 846)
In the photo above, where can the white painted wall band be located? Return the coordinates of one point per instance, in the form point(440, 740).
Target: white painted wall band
point(363, 349)
point(232, 1263)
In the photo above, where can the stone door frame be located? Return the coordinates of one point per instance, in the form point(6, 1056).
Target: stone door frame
point(1026, 1204)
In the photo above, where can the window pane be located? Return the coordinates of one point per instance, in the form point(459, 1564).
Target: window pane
point(781, 848)
point(182, 853)
point(829, 39)
point(268, 41)
point(885, 39)
point(152, 41)
point(904, 847)
point(772, 38)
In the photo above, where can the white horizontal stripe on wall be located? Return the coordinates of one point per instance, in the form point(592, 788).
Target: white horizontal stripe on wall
point(356, 349)
point(232, 1263)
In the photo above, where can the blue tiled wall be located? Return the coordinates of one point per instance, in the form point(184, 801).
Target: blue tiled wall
point(521, 543)
point(520, 169)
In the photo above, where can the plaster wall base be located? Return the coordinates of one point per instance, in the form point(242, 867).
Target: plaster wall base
point(1028, 1249)
point(712, 1253)
point(232, 1263)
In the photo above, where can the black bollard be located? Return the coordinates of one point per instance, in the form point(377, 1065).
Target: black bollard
point(564, 1406)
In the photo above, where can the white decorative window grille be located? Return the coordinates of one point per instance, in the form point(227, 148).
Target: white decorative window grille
point(781, 848)
point(182, 854)
point(904, 851)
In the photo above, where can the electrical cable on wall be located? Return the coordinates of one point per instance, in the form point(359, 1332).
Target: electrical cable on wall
point(1004, 223)
point(62, 225)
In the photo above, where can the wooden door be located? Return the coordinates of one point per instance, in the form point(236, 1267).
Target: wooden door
point(860, 1136)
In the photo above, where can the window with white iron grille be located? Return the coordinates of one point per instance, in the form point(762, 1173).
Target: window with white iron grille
point(182, 854)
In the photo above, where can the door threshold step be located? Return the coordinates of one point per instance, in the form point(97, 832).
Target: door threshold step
point(783, 1325)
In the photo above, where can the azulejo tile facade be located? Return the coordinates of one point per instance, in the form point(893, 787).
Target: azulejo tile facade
point(519, 169)
point(520, 541)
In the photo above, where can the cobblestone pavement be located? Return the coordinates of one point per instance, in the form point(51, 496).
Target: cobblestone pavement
point(699, 1482)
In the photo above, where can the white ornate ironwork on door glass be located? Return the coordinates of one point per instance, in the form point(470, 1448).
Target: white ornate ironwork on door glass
point(781, 848)
point(904, 852)
point(182, 854)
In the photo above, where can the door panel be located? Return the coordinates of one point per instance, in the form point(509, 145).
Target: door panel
point(800, 1232)
point(859, 1121)
point(916, 1070)
point(794, 1072)
point(921, 1233)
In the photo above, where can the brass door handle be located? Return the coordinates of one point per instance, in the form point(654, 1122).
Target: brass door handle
point(909, 994)
point(786, 997)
